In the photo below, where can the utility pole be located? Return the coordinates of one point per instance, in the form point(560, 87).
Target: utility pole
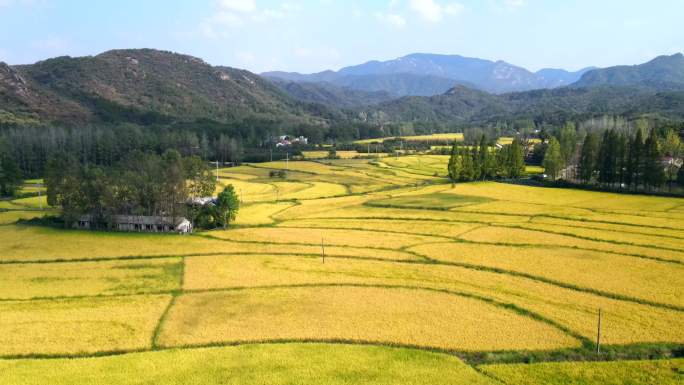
point(322, 250)
point(287, 160)
point(598, 334)
point(217, 164)
point(40, 201)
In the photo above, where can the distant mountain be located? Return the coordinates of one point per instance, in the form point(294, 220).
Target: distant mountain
point(661, 73)
point(152, 87)
point(430, 74)
point(142, 86)
point(552, 106)
point(554, 77)
point(330, 94)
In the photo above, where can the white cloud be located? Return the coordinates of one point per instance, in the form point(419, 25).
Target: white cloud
point(302, 52)
point(453, 9)
point(434, 12)
point(231, 14)
point(54, 44)
point(356, 12)
point(325, 54)
point(246, 58)
point(391, 19)
point(514, 4)
point(238, 5)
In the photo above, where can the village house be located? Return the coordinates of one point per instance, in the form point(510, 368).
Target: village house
point(286, 141)
point(139, 223)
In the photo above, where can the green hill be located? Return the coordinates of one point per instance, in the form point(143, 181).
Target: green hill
point(144, 86)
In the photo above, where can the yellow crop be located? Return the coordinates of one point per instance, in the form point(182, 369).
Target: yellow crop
point(89, 278)
point(661, 372)
point(403, 316)
point(504, 235)
point(273, 364)
point(634, 277)
point(335, 237)
point(434, 138)
point(8, 217)
point(73, 326)
point(624, 322)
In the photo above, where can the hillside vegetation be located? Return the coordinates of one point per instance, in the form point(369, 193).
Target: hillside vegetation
point(143, 86)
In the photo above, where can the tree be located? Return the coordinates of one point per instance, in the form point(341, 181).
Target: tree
point(475, 161)
point(227, 206)
point(455, 166)
point(568, 142)
point(680, 177)
point(588, 157)
point(174, 185)
point(635, 159)
point(553, 160)
point(607, 159)
point(201, 182)
point(671, 146)
point(10, 174)
point(468, 172)
point(516, 159)
point(654, 175)
point(483, 159)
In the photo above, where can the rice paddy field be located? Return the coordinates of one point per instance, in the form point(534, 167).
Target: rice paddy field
point(444, 138)
point(354, 271)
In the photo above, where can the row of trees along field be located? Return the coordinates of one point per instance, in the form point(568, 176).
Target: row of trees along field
point(481, 162)
point(617, 159)
point(141, 184)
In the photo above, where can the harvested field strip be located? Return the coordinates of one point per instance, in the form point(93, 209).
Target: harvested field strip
point(275, 364)
point(75, 326)
point(416, 317)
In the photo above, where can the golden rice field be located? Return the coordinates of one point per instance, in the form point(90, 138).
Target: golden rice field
point(432, 138)
point(354, 271)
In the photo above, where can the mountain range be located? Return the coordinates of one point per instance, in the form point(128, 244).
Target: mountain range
point(146, 86)
point(429, 74)
point(143, 86)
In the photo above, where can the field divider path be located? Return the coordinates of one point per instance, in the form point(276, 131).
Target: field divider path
point(154, 341)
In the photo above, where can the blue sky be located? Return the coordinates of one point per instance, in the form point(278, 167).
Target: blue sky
point(313, 35)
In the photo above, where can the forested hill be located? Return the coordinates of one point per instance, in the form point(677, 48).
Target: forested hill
point(468, 106)
point(662, 73)
point(143, 86)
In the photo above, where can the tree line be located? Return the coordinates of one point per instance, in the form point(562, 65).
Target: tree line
point(141, 184)
point(616, 159)
point(481, 162)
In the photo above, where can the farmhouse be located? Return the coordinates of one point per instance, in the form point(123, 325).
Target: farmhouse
point(151, 224)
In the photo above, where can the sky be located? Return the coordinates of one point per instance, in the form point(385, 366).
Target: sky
point(314, 35)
